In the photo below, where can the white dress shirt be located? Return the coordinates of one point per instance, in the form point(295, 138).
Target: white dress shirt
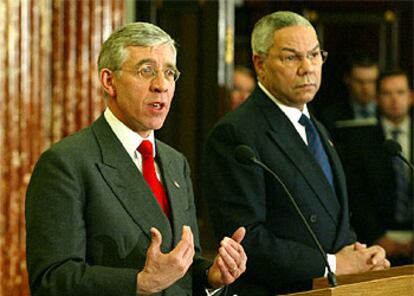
point(404, 136)
point(130, 140)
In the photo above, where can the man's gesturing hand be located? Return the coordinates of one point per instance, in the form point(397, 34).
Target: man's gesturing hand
point(163, 270)
point(230, 261)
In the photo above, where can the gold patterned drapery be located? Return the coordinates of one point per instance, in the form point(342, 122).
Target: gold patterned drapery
point(49, 88)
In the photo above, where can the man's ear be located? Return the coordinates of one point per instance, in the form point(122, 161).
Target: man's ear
point(108, 82)
point(258, 64)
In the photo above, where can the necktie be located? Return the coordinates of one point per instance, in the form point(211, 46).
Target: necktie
point(148, 171)
point(316, 147)
point(403, 204)
point(364, 113)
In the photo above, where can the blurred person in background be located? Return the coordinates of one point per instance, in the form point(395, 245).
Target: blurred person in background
point(381, 186)
point(359, 104)
point(244, 82)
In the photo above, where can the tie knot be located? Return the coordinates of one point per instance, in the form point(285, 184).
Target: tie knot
point(395, 134)
point(364, 113)
point(145, 148)
point(305, 121)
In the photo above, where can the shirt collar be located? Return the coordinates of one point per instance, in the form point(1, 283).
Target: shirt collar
point(389, 126)
point(292, 113)
point(129, 139)
point(371, 107)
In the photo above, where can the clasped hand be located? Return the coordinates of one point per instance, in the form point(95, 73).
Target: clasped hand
point(358, 258)
point(162, 270)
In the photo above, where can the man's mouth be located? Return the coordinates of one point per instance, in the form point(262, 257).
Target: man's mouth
point(305, 85)
point(157, 105)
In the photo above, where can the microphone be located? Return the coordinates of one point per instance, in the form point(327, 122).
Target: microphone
point(245, 155)
point(393, 148)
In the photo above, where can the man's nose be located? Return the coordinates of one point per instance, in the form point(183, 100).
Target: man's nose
point(160, 83)
point(306, 65)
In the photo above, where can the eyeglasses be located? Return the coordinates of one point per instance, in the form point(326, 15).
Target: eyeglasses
point(149, 72)
point(294, 60)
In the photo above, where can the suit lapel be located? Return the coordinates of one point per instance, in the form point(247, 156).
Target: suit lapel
point(128, 184)
point(335, 162)
point(341, 191)
point(288, 140)
point(175, 188)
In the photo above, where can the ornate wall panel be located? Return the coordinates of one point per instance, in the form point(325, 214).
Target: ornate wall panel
point(49, 88)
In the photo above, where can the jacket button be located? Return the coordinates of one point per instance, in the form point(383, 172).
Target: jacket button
point(313, 218)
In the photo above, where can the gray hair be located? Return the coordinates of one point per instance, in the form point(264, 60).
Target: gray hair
point(113, 52)
point(262, 35)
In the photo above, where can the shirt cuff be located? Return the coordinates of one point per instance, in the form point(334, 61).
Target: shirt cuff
point(211, 292)
point(332, 263)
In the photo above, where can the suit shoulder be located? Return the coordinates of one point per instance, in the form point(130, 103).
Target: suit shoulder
point(78, 141)
point(244, 116)
point(169, 150)
point(75, 148)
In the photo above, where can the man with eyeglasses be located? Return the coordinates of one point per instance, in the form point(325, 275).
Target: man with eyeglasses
point(103, 218)
point(276, 124)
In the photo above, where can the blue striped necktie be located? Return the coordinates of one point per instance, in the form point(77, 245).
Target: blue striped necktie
point(316, 147)
point(404, 203)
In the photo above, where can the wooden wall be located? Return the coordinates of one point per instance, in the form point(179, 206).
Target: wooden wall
point(49, 88)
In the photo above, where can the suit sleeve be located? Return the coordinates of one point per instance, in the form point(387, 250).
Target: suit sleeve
point(56, 236)
point(237, 196)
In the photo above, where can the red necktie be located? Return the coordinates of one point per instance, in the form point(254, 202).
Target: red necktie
point(148, 170)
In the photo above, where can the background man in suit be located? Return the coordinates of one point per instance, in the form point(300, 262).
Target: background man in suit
point(360, 104)
point(282, 255)
point(94, 222)
point(380, 186)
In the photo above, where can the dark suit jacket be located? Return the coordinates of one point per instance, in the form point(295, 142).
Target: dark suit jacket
point(281, 254)
point(89, 212)
point(371, 181)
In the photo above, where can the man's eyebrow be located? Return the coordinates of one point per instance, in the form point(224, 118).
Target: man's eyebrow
point(295, 51)
point(144, 61)
point(152, 62)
